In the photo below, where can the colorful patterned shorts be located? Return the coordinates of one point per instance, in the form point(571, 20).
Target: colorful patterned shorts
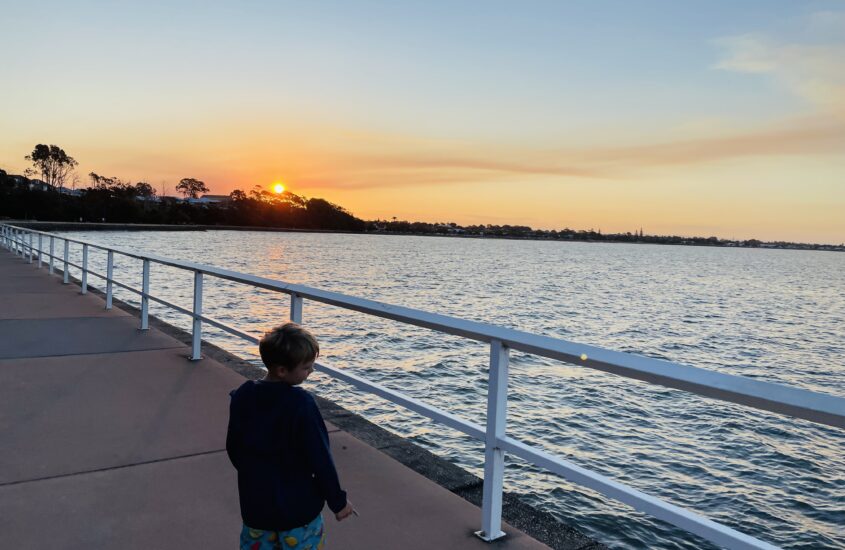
point(307, 537)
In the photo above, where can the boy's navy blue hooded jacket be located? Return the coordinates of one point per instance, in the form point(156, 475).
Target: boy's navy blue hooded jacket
point(277, 441)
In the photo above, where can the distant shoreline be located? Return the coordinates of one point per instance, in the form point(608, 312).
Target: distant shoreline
point(106, 226)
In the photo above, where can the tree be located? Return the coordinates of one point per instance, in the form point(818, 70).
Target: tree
point(102, 183)
point(145, 190)
point(237, 195)
point(259, 193)
point(191, 187)
point(53, 163)
point(290, 199)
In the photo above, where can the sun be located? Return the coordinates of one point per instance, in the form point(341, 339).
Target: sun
point(278, 188)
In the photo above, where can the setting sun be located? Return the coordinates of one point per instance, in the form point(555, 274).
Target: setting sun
point(278, 188)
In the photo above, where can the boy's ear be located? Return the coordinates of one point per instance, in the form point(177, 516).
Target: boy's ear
point(277, 369)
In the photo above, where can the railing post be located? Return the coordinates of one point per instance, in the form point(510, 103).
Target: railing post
point(494, 457)
point(52, 252)
point(296, 308)
point(66, 275)
point(145, 300)
point(30, 247)
point(40, 254)
point(196, 341)
point(84, 268)
point(109, 274)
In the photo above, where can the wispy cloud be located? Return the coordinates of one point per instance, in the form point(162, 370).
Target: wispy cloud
point(746, 53)
point(810, 69)
point(805, 136)
point(827, 21)
point(812, 135)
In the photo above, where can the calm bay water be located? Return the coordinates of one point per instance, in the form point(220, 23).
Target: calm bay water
point(775, 315)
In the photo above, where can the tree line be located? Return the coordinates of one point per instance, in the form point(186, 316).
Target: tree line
point(58, 195)
point(590, 235)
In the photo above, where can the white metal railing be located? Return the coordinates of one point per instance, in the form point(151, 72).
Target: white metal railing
point(813, 406)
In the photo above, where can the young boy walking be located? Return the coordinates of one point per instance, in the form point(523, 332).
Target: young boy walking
point(277, 441)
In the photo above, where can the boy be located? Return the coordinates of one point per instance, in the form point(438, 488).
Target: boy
point(277, 441)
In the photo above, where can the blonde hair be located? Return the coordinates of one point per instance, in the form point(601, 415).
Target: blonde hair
point(287, 346)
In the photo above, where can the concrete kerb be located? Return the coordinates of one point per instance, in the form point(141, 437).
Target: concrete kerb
point(536, 523)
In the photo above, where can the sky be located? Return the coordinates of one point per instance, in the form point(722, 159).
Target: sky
point(694, 118)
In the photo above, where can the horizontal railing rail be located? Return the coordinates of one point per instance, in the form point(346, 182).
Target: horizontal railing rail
point(777, 398)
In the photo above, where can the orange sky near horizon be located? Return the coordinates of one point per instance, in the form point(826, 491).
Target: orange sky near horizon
point(693, 187)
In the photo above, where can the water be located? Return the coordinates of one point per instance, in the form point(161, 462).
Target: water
point(775, 315)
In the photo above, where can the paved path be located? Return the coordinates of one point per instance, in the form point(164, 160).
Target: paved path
point(110, 438)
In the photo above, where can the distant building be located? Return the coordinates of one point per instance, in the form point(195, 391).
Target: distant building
point(151, 198)
point(38, 185)
point(222, 200)
point(449, 228)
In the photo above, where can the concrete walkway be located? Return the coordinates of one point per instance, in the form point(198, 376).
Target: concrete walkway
point(111, 438)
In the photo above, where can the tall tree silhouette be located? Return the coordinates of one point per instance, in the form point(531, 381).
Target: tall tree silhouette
point(52, 163)
point(191, 187)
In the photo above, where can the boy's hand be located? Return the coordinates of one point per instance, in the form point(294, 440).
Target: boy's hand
point(347, 511)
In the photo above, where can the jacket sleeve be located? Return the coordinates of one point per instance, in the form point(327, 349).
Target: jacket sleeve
point(316, 440)
point(233, 439)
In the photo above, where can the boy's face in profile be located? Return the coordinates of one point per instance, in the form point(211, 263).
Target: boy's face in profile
point(296, 375)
